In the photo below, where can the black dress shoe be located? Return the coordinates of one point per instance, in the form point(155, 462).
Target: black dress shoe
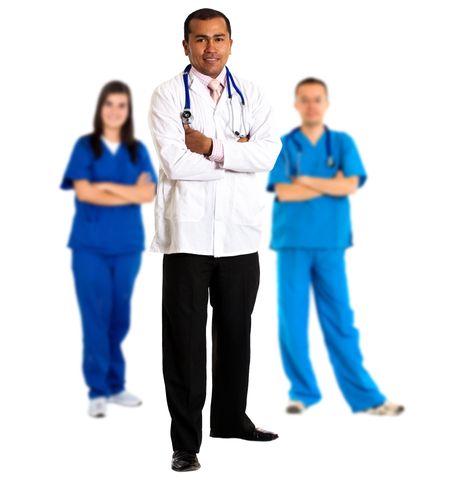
point(261, 435)
point(184, 461)
point(256, 435)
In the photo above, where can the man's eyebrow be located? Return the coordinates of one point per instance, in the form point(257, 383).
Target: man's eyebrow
point(219, 35)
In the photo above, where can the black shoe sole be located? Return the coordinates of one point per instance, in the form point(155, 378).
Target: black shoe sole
point(186, 469)
point(245, 438)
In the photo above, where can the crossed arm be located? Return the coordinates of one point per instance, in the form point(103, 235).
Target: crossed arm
point(301, 189)
point(113, 194)
point(199, 143)
point(305, 188)
point(184, 151)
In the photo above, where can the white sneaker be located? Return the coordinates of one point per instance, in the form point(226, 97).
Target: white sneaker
point(97, 407)
point(125, 399)
point(386, 408)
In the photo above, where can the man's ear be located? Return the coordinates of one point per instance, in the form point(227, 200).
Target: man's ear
point(186, 47)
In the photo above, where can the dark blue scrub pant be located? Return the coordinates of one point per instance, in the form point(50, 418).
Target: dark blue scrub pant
point(104, 284)
point(324, 269)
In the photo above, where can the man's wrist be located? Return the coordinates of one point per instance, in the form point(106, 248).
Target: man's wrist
point(217, 152)
point(306, 180)
point(210, 145)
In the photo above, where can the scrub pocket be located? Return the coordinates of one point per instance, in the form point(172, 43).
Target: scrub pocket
point(85, 233)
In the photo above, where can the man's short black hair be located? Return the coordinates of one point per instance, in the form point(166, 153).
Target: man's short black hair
point(311, 80)
point(204, 14)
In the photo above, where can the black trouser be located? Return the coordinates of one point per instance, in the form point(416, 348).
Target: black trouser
point(233, 284)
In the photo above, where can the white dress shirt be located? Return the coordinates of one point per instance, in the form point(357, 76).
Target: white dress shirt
point(202, 206)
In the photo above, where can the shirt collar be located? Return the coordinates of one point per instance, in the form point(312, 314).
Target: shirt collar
point(302, 139)
point(206, 79)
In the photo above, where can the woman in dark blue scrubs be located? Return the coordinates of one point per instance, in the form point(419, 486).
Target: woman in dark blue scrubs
point(112, 174)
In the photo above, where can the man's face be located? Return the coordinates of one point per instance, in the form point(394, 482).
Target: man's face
point(208, 46)
point(311, 102)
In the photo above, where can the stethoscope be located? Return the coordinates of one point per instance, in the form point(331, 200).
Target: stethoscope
point(187, 116)
point(298, 145)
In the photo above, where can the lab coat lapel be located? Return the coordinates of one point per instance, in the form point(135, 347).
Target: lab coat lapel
point(198, 88)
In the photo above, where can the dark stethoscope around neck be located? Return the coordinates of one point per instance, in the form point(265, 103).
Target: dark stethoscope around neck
point(330, 161)
point(187, 115)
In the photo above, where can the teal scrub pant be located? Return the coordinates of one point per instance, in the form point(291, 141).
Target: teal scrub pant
point(104, 285)
point(324, 270)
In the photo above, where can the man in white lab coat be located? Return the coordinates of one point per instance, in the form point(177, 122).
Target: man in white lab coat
point(212, 132)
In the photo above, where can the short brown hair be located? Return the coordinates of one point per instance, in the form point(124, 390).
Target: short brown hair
point(311, 80)
point(204, 14)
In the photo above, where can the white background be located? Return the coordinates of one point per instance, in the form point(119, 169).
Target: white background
point(386, 64)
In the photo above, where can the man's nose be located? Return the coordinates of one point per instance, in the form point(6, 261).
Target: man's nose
point(209, 45)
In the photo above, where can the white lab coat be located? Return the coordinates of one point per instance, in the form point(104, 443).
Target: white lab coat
point(202, 207)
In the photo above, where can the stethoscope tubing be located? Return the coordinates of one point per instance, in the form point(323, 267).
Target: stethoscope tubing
point(187, 116)
point(298, 145)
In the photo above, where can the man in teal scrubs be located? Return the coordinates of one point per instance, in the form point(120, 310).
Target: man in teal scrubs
point(315, 173)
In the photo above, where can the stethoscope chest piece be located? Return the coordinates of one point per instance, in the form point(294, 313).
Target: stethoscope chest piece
point(186, 116)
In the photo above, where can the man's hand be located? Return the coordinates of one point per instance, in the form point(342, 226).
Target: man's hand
point(197, 142)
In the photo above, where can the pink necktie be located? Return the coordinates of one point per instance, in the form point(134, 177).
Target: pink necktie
point(214, 88)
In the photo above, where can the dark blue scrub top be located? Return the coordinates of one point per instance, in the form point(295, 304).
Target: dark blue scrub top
point(106, 229)
point(322, 222)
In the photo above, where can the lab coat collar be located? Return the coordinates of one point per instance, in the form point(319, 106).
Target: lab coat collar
point(195, 85)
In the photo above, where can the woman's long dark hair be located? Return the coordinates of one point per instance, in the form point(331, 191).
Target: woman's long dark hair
point(127, 130)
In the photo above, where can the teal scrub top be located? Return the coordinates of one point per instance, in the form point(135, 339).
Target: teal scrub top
point(106, 229)
point(322, 222)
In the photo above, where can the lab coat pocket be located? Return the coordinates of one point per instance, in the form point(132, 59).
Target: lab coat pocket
point(184, 201)
point(248, 201)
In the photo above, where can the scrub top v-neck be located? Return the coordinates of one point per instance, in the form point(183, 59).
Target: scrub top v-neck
point(110, 145)
point(322, 222)
point(106, 229)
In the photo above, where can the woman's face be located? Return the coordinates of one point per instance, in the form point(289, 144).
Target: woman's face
point(114, 111)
